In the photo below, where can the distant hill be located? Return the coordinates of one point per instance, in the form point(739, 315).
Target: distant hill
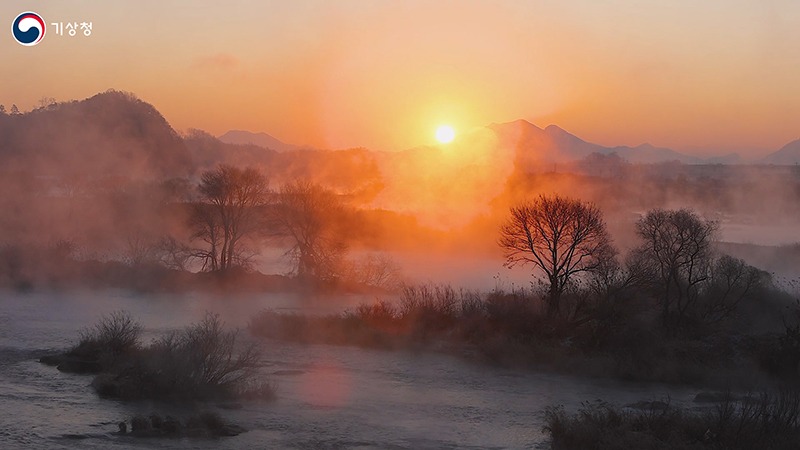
point(535, 145)
point(352, 171)
point(116, 134)
point(789, 154)
point(109, 134)
point(208, 151)
point(240, 137)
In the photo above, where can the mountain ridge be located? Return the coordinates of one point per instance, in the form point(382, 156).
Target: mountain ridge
point(112, 133)
point(261, 139)
point(789, 154)
point(116, 133)
point(553, 144)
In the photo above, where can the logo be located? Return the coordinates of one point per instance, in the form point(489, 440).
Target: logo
point(28, 28)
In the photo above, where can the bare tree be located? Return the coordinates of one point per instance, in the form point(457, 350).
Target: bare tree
point(374, 269)
point(207, 227)
point(732, 281)
point(677, 248)
point(611, 280)
point(310, 216)
point(139, 250)
point(173, 254)
point(229, 213)
point(560, 236)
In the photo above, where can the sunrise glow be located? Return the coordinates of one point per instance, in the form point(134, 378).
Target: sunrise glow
point(377, 222)
point(445, 134)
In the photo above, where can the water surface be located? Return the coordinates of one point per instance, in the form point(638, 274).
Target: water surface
point(328, 397)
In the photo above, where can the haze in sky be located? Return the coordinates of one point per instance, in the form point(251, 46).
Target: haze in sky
point(703, 77)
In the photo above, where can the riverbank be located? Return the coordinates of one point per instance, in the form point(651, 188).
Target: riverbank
point(767, 421)
point(511, 330)
point(156, 278)
point(345, 396)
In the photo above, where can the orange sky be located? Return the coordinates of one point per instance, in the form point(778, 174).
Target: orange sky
point(711, 78)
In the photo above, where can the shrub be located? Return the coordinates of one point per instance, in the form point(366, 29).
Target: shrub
point(378, 314)
point(782, 353)
point(606, 330)
point(203, 360)
point(114, 335)
point(428, 306)
point(769, 421)
point(376, 270)
point(140, 424)
point(203, 425)
point(519, 315)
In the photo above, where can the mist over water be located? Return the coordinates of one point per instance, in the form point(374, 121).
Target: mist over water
point(82, 241)
point(328, 395)
point(137, 178)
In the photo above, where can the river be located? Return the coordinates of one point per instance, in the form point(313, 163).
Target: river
point(329, 397)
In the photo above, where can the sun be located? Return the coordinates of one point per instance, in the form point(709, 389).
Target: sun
point(445, 134)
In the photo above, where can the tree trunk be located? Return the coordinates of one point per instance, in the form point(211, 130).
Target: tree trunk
point(554, 296)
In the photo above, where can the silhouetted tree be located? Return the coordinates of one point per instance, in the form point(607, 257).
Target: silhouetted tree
point(14, 110)
point(310, 216)
point(207, 227)
point(732, 281)
point(46, 103)
point(228, 213)
point(612, 281)
point(2, 109)
point(559, 235)
point(677, 251)
point(139, 250)
point(173, 254)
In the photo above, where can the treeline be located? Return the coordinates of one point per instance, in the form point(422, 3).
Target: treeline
point(217, 227)
point(236, 210)
point(673, 266)
point(768, 421)
point(670, 309)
